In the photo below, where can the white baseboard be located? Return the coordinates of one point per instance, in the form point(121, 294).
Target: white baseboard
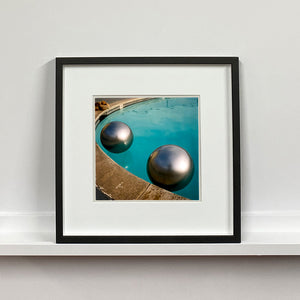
point(259, 221)
point(27, 222)
point(271, 221)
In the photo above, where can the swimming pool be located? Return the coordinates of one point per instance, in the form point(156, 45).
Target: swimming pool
point(157, 122)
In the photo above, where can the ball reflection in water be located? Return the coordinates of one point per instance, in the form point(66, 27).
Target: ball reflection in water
point(116, 136)
point(170, 167)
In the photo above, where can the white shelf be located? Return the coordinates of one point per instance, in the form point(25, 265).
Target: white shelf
point(263, 233)
point(43, 244)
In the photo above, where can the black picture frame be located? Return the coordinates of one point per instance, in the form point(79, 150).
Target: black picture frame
point(234, 63)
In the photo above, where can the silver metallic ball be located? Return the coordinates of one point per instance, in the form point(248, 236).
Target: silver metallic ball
point(116, 137)
point(170, 167)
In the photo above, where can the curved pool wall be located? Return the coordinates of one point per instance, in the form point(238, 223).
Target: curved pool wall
point(157, 122)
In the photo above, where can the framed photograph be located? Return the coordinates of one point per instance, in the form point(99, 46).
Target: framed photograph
point(147, 150)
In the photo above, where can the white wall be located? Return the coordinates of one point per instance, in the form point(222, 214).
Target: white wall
point(264, 34)
point(266, 37)
point(214, 278)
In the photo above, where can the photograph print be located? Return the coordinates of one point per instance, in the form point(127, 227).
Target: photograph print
point(147, 148)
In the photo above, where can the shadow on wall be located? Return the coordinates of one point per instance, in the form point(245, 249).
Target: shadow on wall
point(45, 180)
point(148, 278)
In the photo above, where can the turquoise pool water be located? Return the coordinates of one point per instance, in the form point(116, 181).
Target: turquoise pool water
point(154, 123)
